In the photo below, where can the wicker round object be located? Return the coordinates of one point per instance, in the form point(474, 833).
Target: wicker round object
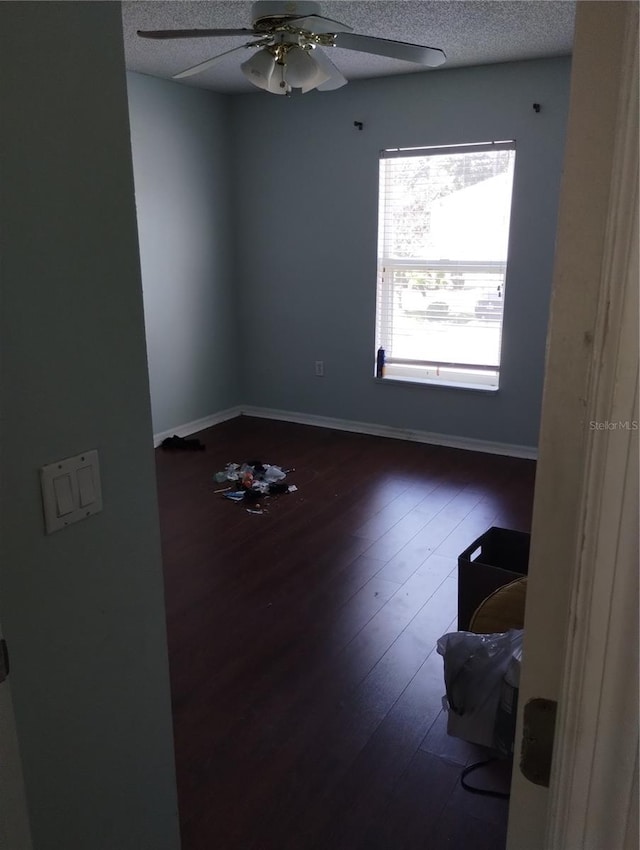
point(502, 610)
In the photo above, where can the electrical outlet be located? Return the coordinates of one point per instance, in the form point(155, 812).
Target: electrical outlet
point(319, 368)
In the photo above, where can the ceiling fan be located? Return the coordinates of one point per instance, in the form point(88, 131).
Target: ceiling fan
point(290, 37)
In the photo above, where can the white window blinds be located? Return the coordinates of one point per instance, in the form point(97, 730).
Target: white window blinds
point(442, 257)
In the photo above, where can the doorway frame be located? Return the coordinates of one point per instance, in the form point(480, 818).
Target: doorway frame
point(581, 622)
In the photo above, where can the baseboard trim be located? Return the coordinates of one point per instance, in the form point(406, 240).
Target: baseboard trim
point(466, 443)
point(197, 425)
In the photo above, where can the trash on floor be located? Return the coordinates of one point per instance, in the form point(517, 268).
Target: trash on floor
point(482, 674)
point(235, 495)
point(188, 443)
point(252, 481)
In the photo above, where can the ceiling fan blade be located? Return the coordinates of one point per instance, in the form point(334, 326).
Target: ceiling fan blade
point(165, 34)
point(336, 80)
point(430, 56)
point(318, 25)
point(202, 66)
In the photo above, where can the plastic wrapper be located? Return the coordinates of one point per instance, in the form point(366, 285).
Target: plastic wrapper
point(481, 675)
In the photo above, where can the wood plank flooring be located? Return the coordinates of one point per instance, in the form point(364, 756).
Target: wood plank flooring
point(306, 688)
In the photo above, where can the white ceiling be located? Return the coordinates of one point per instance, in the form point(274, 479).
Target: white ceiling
point(470, 32)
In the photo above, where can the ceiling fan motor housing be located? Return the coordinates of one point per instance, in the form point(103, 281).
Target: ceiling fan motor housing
point(265, 13)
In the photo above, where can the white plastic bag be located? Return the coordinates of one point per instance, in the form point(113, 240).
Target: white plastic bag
point(475, 667)
point(273, 474)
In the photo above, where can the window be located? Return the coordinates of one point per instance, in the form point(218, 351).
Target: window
point(442, 258)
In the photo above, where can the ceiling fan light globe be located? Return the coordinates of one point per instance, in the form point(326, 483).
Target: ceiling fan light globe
point(319, 77)
point(259, 69)
point(277, 82)
point(299, 66)
point(302, 70)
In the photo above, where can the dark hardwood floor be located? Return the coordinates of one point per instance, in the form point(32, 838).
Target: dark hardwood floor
point(305, 684)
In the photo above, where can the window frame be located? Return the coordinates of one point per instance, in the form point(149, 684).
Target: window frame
point(448, 373)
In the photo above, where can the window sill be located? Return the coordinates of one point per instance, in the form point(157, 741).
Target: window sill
point(426, 382)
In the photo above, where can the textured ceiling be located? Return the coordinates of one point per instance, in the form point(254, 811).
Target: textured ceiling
point(470, 32)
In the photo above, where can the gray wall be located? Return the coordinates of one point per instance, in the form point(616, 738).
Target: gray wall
point(306, 230)
point(82, 609)
point(181, 153)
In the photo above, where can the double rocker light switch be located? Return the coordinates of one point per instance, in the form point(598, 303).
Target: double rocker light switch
point(71, 490)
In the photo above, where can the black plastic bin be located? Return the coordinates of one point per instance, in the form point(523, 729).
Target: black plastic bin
point(497, 557)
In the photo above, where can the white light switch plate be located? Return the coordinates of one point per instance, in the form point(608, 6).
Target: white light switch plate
point(71, 490)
